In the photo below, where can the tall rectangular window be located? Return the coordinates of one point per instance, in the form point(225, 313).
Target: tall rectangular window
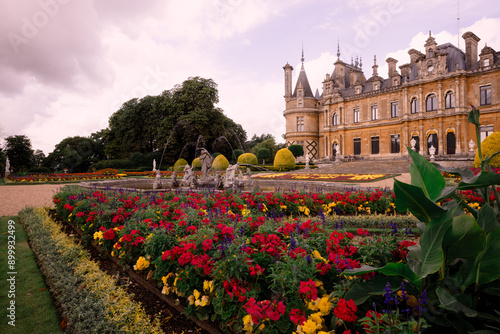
point(300, 123)
point(300, 103)
point(414, 106)
point(374, 113)
point(395, 144)
point(485, 92)
point(356, 115)
point(375, 145)
point(357, 146)
point(394, 109)
point(449, 100)
point(335, 119)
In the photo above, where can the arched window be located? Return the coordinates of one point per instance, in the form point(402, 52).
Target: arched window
point(431, 103)
point(449, 99)
point(335, 119)
point(414, 105)
point(432, 140)
point(450, 142)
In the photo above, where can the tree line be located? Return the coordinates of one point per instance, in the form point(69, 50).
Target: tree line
point(165, 127)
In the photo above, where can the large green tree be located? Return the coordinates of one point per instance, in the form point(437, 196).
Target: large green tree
point(177, 122)
point(76, 154)
point(20, 154)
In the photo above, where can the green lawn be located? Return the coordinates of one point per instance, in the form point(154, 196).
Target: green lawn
point(34, 309)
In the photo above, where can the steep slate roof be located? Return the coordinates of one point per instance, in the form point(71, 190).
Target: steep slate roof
point(454, 55)
point(305, 84)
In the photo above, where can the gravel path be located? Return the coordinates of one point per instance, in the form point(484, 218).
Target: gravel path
point(16, 197)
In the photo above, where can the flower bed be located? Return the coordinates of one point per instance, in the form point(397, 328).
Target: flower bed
point(62, 177)
point(331, 177)
point(251, 262)
point(89, 300)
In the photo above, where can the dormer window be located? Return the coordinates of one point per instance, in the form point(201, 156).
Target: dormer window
point(431, 53)
point(357, 90)
point(486, 62)
point(300, 103)
point(375, 87)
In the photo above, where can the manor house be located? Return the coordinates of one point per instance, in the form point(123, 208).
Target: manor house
point(427, 100)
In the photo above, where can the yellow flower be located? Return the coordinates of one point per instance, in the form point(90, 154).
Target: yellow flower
point(196, 294)
point(324, 305)
point(248, 324)
point(141, 264)
point(208, 286)
point(191, 300)
point(309, 327)
point(316, 317)
point(98, 235)
point(318, 256)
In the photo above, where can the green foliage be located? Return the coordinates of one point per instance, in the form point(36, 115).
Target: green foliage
point(457, 256)
point(220, 163)
point(263, 153)
point(178, 120)
point(284, 160)
point(180, 164)
point(20, 154)
point(297, 150)
point(248, 158)
point(489, 146)
point(196, 164)
point(76, 154)
point(236, 154)
point(35, 170)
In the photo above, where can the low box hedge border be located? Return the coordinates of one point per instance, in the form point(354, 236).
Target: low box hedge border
point(88, 299)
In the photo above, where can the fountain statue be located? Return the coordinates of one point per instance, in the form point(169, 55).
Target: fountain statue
point(154, 165)
point(189, 177)
point(206, 163)
point(230, 176)
point(174, 181)
point(157, 183)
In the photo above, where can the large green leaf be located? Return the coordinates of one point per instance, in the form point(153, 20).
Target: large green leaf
point(483, 179)
point(426, 176)
point(361, 291)
point(487, 219)
point(409, 197)
point(464, 173)
point(414, 258)
point(449, 302)
point(487, 265)
point(431, 242)
point(464, 239)
point(390, 269)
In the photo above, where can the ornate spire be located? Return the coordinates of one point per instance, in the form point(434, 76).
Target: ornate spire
point(302, 59)
point(360, 62)
point(338, 48)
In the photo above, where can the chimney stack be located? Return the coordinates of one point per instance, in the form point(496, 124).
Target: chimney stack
point(471, 41)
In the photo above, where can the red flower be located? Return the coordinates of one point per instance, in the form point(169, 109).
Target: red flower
point(109, 234)
point(308, 290)
point(346, 310)
point(297, 316)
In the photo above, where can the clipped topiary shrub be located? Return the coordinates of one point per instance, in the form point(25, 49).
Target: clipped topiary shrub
point(237, 153)
point(284, 160)
point(220, 163)
point(489, 146)
point(297, 150)
point(179, 165)
point(196, 164)
point(248, 158)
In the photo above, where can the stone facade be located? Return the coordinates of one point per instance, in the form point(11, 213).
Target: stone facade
point(427, 100)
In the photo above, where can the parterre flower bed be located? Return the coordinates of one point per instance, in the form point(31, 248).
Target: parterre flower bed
point(253, 262)
point(326, 177)
point(62, 177)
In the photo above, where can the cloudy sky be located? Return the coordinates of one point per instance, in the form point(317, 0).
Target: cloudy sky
point(67, 65)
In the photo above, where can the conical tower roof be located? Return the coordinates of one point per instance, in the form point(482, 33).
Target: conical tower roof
point(302, 80)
